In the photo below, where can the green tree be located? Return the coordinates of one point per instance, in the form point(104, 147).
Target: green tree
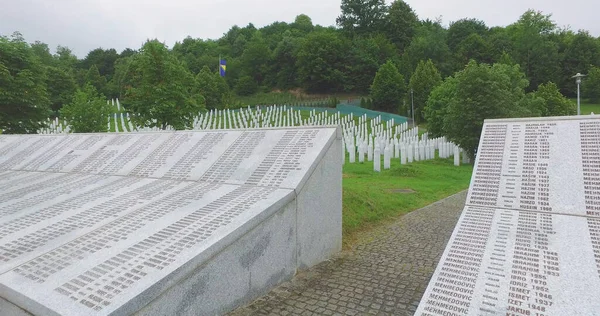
point(425, 78)
point(284, 62)
point(591, 85)
point(94, 78)
point(402, 24)
point(555, 104)
point(364, 58)
point(162, 91)
point(481, 92)
point(88, 112)
point(103, 59)
point(500, 42)
point(360, 17)
point(429, 43)
point(122, 78)
point(256, 58)
point(214, 89)
point(246, 85)
point(238, 47)
point(462, 29)
point(61, 87)
point(320, 61)
point(303, 23)
point(42, 51)
point(437, 105)
point(65, 57)
point(23, 96)
point(388, 89)
point(582, 51)
point(533, 49)
point(474, 47)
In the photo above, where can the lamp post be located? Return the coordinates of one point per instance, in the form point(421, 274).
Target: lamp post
point(412, 100)
point(578, 77)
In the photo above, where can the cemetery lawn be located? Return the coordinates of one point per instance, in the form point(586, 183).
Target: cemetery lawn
point(371, 198)
point(587, 108)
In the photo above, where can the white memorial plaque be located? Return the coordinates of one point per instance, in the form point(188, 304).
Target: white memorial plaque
point(91, 223)
point(528, 240)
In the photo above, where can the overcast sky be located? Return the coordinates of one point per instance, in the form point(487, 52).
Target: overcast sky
point(83, 25)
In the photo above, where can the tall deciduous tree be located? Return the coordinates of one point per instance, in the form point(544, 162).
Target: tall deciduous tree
point(61, 86)
point(303, 23)
point(88, 112)
point(321, 59)
point(425, 78)
point(402, 23)
point(94, 78)
point(478, 92)
point(462, 29)
point(364, 58)
point(284, 62)
point(388, 89)
point(591, 85)
point(162, 91)
point(582, 51)
point(534, 51)
point(65, 57)
point(360, 17)
point(257, 57)
point(214, 89)
point(23, 96)
point(555, 104)
point(437, 106)
point(104, 59)
point(429, 43)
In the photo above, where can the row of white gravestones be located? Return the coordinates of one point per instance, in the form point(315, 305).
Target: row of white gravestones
point(367, 138)
point(55, 126)
point(407, 149)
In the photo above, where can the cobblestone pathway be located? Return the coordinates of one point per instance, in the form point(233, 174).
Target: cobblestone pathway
point(386, 273)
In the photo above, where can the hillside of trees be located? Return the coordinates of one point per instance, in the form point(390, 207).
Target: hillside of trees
point(162, 85)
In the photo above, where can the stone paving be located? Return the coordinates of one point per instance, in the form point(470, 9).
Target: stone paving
point(385, 274)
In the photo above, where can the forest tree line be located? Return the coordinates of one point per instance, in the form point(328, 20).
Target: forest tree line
point(384, 51)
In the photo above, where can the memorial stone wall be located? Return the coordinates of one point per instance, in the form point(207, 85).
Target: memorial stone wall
point(99, 224)
point(528, 240)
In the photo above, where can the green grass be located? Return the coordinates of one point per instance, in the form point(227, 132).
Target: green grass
point(113, 126)
point(368, 198)
point(587, 107)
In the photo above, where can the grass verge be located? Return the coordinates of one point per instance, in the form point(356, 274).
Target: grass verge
point(370, 198)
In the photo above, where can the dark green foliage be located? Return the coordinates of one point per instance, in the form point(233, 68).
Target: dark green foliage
point(163, 91)
point(361, 17)
point(554, 103)
point(214, 89)
point(580, 54)
point(61, 86)
point(300, 57)
point(388, 89)
point(321, 60)
point(402, 24)
point(88, 112)
point(591, 85)
point(256, 58)
point(429, 43)
point(246, 85)
point(94, 78)
point(458, 107)
point(23, 95)
point(462, 29)
point(104, 60)
point(425, 78)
